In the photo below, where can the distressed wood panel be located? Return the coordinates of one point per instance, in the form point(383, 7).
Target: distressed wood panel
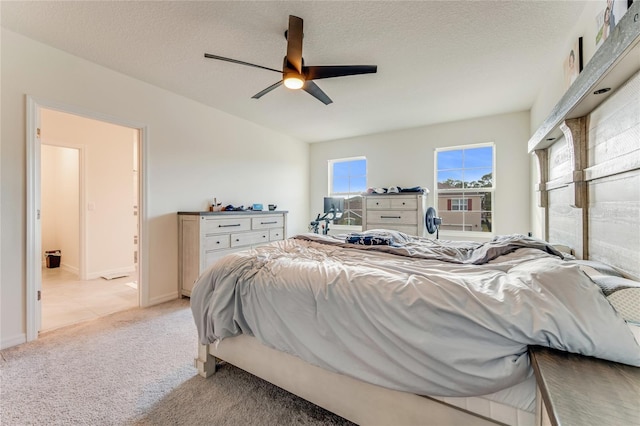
point(563, 219)
point(559, 157)
point(614, 127)
point(614, 221)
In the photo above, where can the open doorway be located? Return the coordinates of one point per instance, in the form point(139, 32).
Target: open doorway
point(89, 229)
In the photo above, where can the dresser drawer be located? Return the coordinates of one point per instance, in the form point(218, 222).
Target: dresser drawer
point(404, 203)
point(378, 203)
point(265, 222)
point(210, 257)
point(215, 241)
point(276, 234)
point(249, 238)
point(225, 225)
point(392, 217)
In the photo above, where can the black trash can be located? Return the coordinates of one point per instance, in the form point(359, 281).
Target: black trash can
point(53, 258)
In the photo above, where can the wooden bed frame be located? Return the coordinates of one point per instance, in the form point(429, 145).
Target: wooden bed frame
point(580, 187)
point(355, 400)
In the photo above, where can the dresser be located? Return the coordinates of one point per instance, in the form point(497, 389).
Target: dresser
point(400, 212)
point(204, 237)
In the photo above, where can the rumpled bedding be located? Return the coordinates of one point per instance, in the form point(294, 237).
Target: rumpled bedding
point(422, 316)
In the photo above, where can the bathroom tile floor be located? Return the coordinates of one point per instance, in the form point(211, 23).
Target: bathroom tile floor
point(68, 300)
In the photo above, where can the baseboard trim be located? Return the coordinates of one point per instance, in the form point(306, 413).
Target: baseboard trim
point(13, 341)
point(161, 299)
point(69, 268)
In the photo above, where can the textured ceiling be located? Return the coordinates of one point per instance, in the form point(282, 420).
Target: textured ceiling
point(437, 61)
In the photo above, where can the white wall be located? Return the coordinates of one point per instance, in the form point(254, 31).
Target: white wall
point(406, 158)
point(193, 153)
point(108, 185)
point(554, 88)
point(60, 203)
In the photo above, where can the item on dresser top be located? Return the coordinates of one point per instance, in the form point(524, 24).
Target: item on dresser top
point(256, 207)
point(272, 207)
point(396, 190)
point(231, 208)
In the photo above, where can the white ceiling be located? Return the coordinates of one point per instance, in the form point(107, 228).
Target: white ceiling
point(437, 61)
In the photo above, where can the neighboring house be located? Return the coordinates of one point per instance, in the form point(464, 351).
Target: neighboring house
point(461, 212)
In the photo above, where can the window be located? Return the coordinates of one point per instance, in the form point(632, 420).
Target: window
point(348, 179)
point(459, 204)
point(465, 179)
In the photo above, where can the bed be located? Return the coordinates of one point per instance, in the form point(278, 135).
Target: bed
point(402, 329)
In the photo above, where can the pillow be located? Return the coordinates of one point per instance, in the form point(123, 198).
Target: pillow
point(623, 294)
point(594, 268)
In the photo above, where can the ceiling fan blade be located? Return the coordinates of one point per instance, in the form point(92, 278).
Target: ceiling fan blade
point(267, 90)
point(294, 43)
point(235, 61)
point(330, 71)
point(311, 88)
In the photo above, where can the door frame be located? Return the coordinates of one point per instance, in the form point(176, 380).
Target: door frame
point(34, 228)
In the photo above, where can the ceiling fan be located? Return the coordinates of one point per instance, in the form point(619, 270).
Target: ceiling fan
point(295, 75)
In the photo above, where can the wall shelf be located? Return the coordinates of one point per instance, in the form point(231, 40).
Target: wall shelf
point(615, 61)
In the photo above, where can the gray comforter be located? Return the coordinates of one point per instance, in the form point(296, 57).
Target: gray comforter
point(416, 315)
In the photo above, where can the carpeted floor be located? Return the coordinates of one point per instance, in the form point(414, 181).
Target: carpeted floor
point(136, 367)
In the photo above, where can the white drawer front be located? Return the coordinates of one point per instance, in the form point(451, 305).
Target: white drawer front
point(249, 238)
point(210, 257)
point(392, 217)
point(276, 234)
point(404, 203)
point(223, 225)
point(378, 203)
point(215, 241)
point(264, 222)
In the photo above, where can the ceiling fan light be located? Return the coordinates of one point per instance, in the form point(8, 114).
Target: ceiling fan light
point(293, 81)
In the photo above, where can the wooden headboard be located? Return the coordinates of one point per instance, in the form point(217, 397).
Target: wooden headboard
point(589, 156)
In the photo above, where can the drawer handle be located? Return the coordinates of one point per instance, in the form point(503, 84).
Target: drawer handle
point(268, 223)
point(228, 226)
point(390, 217)
point(404, 203)
point(217, 242)
point(237, 239)
point(264, 236)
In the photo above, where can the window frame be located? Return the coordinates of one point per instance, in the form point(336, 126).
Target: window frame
point(461, 193)
point(330, 166)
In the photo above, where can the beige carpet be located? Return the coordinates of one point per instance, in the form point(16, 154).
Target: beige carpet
point(136, 367)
